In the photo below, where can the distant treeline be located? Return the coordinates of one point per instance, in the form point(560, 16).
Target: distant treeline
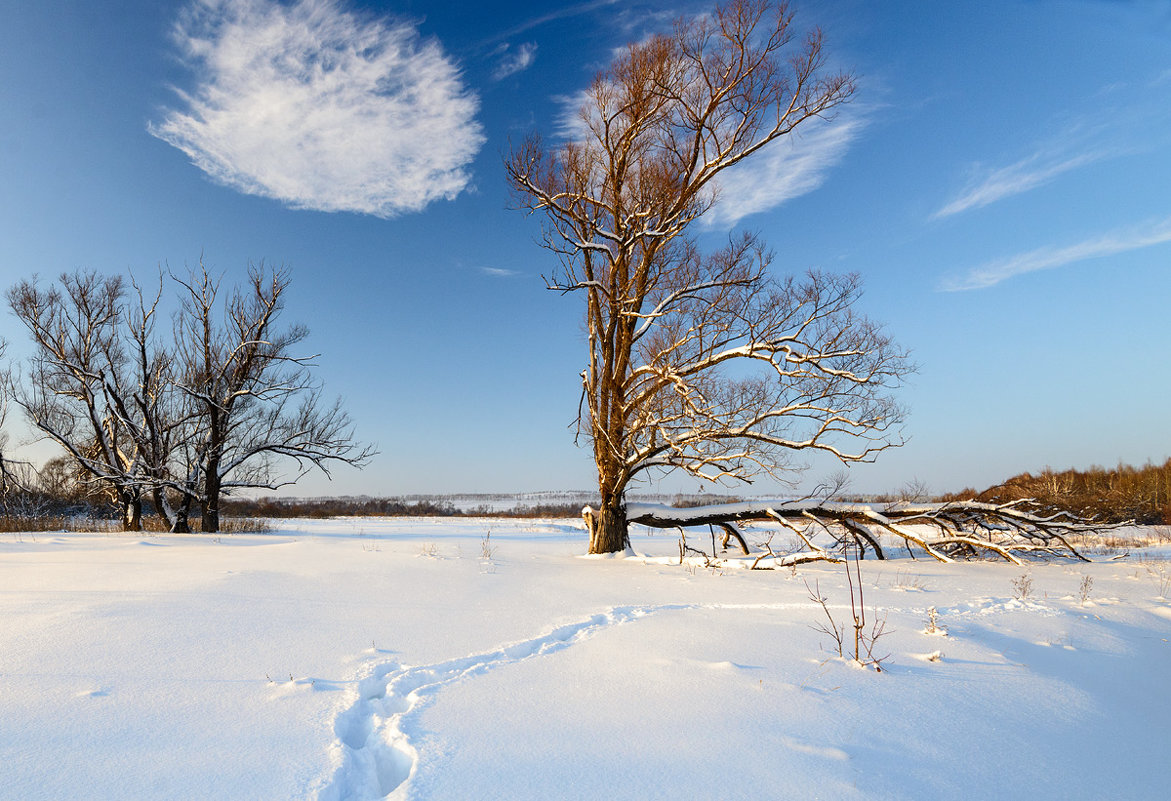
point(387, 507)
point(1115, 495)
point(55, 498)
point(569, 505)
point(40, 511)
point(1119, 494)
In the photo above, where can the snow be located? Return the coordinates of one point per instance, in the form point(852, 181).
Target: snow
point(370, 658)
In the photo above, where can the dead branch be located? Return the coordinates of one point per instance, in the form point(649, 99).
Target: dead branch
point(946, 531)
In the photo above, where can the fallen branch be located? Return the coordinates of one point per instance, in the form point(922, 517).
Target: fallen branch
point(944, 531)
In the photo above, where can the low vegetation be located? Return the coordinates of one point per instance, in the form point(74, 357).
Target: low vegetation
point(55, 505)
point(1112, 495)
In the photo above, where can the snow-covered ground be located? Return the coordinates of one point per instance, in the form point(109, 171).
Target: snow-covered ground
point(360, 658)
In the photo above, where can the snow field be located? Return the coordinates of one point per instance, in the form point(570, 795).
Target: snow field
point(358, 659)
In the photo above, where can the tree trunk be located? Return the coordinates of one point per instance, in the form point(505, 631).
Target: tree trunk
point(607, 526)
point(182, 522)
point(181, 525)
point(131, 513)
point(211, 514)
point(177, 519)
point(211, 485)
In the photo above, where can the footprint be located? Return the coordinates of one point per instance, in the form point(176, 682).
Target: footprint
point(377, 752)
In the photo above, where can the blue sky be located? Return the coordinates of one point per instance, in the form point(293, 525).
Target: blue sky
point(1001, 182)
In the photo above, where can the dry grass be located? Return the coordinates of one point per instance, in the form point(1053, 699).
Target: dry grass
point(246, 525)
point(1022, 586)
point(1162, 578)
point(487, 549)
point(1085, 588)
point(16, 524)
point(228, 525)
point(1118, 541)
point(907, 581)
point(21, 523)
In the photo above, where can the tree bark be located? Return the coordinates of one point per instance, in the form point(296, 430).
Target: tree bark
point(607, 525)
point(212, 478)
point(211, 502)
point(182, 524)
point(131, 514)
point(211, 515)
point(179, 518)
point(731, 532)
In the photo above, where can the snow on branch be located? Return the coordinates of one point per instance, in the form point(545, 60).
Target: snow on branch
point(944, 531)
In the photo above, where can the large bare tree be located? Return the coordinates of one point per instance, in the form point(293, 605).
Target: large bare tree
point(253, 400)
point(701, 362)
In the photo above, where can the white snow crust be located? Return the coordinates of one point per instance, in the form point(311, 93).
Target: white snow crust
point(373, 658)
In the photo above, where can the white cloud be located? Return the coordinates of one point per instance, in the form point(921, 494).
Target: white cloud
point(498, 272)
point(321, 108)
point(567, 120)
point(1118, 241)
point(1028, 173)
point(514, 61)
point(790, 167)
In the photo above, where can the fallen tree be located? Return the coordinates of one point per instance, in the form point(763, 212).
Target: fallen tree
point(944, 531)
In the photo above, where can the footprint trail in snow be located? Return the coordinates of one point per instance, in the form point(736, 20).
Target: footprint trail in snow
point(378, 759)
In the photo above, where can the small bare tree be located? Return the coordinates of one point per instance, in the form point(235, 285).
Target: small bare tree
point(253, 401)
point(77, 377)
point(701, 363)
point(866, 633)
point(61, 478)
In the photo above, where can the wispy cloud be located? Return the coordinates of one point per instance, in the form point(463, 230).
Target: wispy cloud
point(561, 13)
point(498, 272)
point(790, 167)
point(1028, 173)
point(514, 61)
point(1128, 118)
point(1120, 240)
point(321, 108)
point(567, 120)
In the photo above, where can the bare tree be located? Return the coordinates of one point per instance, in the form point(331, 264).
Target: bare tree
point(153, 411)
point(61, 478)
point(184, 421)
point(253, 402)
point(77, 377)
point(703, 363)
